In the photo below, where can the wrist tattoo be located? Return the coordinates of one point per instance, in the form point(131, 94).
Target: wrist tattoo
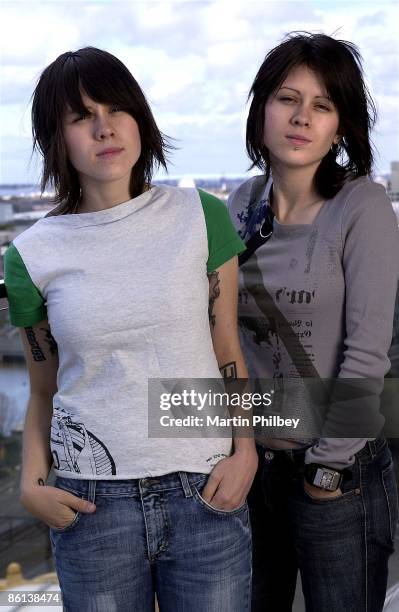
point(214, 293)
point(229, 371)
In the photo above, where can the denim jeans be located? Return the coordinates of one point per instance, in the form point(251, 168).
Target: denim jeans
point(341, 546)
point(153, 535)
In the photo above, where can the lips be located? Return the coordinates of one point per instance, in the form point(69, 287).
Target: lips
point(110, 152)
point(298, 140)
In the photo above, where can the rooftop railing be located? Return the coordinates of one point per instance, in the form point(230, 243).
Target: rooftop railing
point(3, 290)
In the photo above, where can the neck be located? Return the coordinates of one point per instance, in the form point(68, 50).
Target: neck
point(96, 197)
point(293, 192)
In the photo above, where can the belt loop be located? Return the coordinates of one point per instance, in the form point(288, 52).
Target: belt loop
point(289, 454)
point(185, 484)
point(92, 491)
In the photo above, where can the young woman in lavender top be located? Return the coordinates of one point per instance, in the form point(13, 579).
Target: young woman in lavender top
point(316, 304)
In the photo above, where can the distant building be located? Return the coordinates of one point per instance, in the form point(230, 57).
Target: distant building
point(394, 182)
point(186, 181)
point(6, 213)
point(395, 176)
point(382, 180)
point(10, 344)
point(30, 215)
point(6, 236)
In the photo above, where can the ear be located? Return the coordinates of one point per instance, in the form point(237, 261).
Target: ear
point(337, 139)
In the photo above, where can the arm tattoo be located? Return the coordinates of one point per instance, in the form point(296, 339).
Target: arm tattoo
point(40, 482)
point(37, 352)
point(229, 371)
point(52, 345)
point(214, 292)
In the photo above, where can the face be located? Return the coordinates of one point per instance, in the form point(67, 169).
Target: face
point(102, 145)
point(301, 122)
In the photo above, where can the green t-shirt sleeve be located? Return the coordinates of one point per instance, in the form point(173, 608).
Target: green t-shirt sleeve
point(223, 240)
point(25, 302)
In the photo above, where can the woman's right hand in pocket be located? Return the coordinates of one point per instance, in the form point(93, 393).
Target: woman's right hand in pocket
point(55, 507)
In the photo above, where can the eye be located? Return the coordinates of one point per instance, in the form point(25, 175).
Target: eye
point(81, 117)
point(322, 107)
point(287, 99)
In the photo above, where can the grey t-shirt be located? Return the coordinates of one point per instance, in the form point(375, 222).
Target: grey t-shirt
point(332, 284)
point(125, 291)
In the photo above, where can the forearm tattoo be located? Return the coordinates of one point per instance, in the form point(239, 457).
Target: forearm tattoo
point(52, 345)
point(37, 352)
point(214, 293)
point(229, 371)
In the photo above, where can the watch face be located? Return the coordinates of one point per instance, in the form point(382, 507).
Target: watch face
point(326, 479)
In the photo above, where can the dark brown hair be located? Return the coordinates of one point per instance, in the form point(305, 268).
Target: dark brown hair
point(338, 64)
point(106, 80)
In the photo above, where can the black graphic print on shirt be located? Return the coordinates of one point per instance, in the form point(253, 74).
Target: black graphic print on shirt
point(75, 449)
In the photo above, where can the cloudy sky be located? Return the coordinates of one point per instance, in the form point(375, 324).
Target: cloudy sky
point(195, 61)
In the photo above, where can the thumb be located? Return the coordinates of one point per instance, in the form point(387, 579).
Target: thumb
point(80, 505)
point(210, 488)
point(86, 506)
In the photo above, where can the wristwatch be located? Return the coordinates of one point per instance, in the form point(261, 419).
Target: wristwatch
point(323, 477)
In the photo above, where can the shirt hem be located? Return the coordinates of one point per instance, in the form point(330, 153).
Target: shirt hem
point(131, 476)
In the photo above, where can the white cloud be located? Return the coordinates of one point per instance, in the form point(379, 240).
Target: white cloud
point(162, 76)
point(16, 120)
point(36, 32)
point(157, 16)
point(223, 22)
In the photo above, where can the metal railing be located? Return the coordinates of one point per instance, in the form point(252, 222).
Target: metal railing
point(15, 529)
point(3, 292)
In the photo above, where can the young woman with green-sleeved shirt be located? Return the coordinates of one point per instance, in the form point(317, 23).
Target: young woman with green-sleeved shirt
point(112, 289)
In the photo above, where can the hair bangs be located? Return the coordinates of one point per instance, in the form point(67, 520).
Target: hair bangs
point(104, 79)
point(68, 90)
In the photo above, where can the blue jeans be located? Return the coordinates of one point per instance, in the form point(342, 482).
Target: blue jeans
point(153, 535)
point(341, 546)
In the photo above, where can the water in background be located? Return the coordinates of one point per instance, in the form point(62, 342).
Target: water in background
point(19, 191)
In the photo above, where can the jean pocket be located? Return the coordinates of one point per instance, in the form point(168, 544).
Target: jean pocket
point(217, 511)
point(345, 496)
point(70, 526)
point(391, 495)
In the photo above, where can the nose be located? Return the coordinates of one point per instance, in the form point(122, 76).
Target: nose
point(103, 127)
point(301, 117)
